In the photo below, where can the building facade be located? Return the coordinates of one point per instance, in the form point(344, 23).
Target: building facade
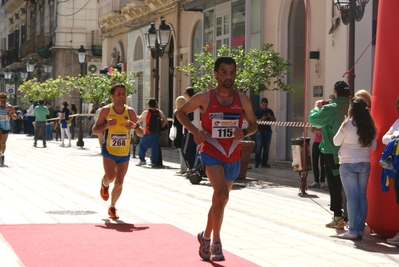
point(50, 32)
point(309, 33)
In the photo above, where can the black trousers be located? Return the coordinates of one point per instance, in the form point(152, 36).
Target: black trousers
point(188, 148)
point(319, 174)
point(337, 194)
point(29, 125)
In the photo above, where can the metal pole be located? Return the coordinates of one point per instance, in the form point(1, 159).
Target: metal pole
point(16, 88)
point(80, 141)
point(351, 52)
point(157, 52)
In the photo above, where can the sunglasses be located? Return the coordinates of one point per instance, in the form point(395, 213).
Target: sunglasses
point(3, 97)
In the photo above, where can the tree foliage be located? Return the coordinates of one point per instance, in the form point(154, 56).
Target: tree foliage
point(47, 90)
point(92, 88)
point(95, 88)
point(257, 70)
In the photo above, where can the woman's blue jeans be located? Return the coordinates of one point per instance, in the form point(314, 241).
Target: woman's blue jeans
point(354, 177)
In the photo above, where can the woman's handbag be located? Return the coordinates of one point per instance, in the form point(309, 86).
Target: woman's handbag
point(172, 133)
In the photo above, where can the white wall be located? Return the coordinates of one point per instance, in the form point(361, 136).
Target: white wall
point(363, 36)
point(74, 30)
point(337, 56)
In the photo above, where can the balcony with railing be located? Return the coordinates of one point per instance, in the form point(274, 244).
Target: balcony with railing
point(40, 45)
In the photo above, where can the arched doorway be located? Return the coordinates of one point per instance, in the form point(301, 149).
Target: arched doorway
point(296, 38)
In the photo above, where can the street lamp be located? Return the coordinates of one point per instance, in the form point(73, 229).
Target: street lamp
point(13, 75)
point(157, 40)
point(351, 11)
point(82, 60)
point(47, 68)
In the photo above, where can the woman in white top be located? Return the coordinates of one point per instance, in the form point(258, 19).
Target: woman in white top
point(393, 132)
point(356, 136)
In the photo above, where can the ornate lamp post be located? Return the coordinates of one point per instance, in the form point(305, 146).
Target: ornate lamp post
point(13, 75)
point(157, 40)
point(47, 68)
point(351, 9)
point(82, 60)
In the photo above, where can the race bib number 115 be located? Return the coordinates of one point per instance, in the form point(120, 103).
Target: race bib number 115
point(224, 128)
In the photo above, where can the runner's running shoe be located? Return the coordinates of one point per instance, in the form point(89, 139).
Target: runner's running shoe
point(104, 192)
point(112, 213)
point(216, 251)
point(204, 246)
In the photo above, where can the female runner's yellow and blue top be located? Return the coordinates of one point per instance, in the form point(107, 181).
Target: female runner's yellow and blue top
point(117, 141)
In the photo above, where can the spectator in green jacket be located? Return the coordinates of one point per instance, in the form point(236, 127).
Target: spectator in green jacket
point(330, 117)
point(40, 113)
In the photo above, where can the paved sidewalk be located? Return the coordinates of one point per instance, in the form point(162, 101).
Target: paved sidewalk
point(266, 222)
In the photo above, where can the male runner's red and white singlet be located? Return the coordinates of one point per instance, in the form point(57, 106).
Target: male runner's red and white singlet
point(220, 122)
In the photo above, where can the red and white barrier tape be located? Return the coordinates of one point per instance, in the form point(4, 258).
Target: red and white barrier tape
point(285, 123)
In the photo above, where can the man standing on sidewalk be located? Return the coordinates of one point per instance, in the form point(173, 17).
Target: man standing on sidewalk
point(263, 136)
point(115, 120)
point(330, 117)
point(223, 110)
point(151, 137)
point(40, 113)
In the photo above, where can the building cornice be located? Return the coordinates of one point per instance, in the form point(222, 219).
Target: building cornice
point(11, 6)
point(133, 14)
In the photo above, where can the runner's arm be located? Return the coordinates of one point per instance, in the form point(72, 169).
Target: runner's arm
point(11, 112)
point(102, 124)
point(199, 100)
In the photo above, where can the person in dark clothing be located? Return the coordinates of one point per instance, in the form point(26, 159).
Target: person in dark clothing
point(74, 110)
point(56, 126)
point(18, 121)
point(263, 136)
point(65, 124)
point(188, 145)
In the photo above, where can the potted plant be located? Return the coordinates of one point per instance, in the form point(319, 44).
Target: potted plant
point(258, 70)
